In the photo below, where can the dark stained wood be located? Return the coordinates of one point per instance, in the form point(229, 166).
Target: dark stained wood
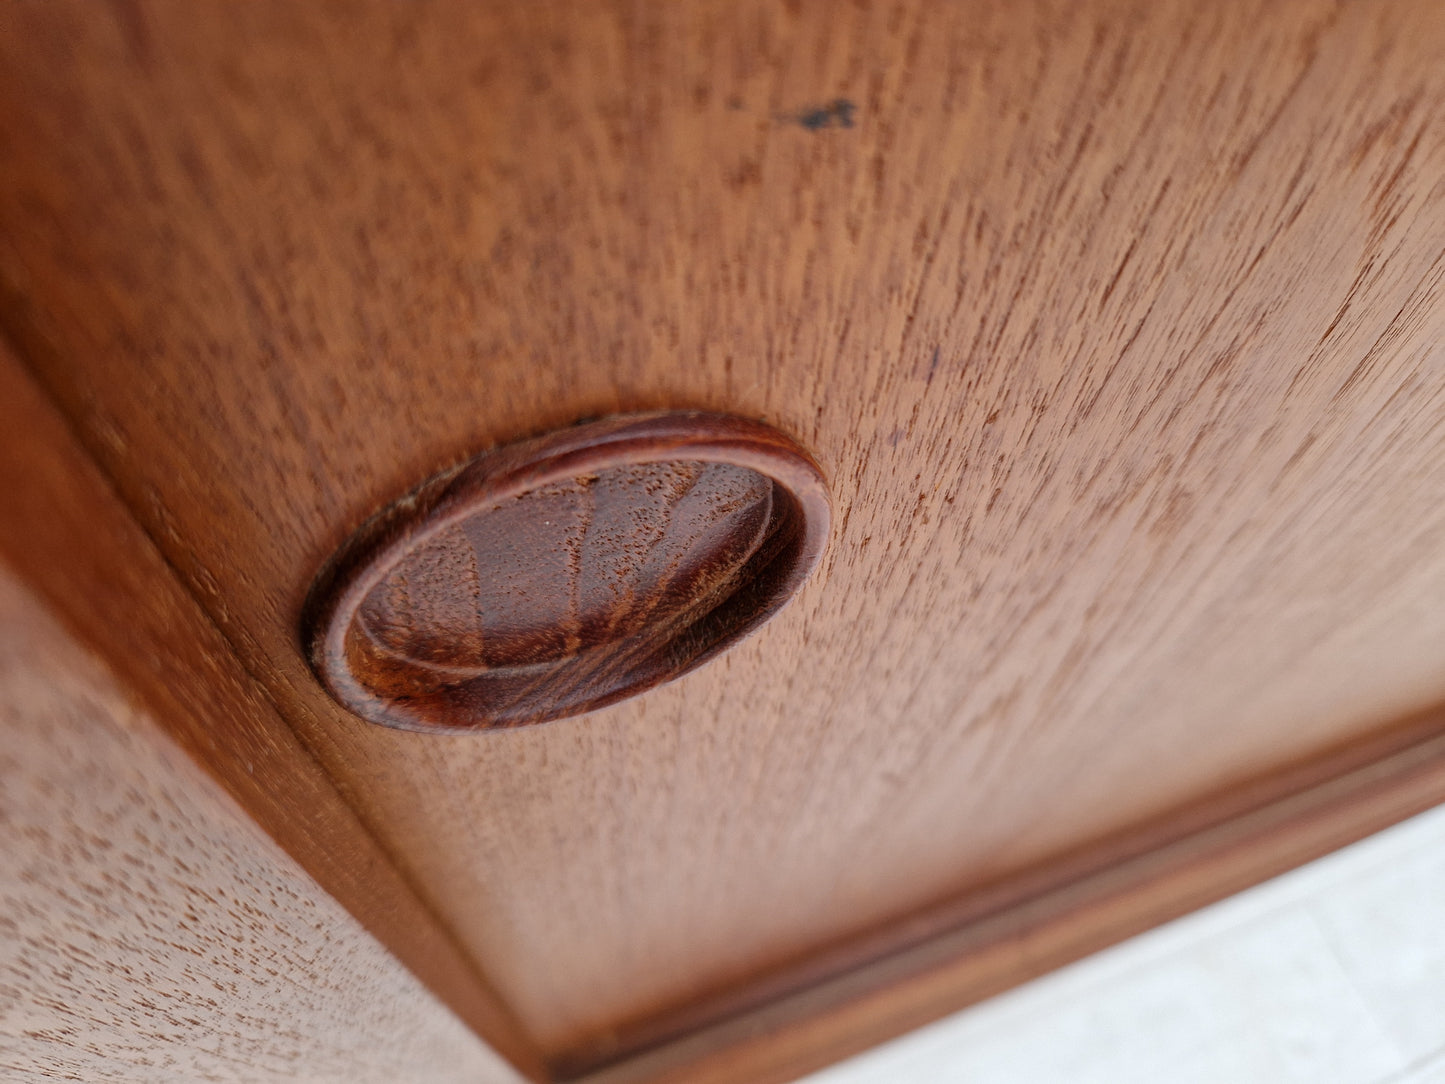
point(558, 575)
point(1115, 326)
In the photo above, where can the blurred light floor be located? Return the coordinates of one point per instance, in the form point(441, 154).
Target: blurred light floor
point(1332, 974)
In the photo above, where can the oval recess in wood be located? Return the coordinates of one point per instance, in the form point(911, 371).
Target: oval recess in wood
point(560, 574)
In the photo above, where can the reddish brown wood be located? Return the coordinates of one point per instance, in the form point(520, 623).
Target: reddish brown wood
point(1116, 326)
point(66, 535)
point(149, 931)
point(556, 575)
point(844, 1000)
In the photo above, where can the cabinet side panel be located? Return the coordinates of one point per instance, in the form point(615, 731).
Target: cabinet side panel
point(67, 536)
point(149, 931)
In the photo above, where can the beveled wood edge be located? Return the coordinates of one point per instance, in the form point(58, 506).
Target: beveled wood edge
point(66, 533)
point(844, 1001)
point(826, 1007)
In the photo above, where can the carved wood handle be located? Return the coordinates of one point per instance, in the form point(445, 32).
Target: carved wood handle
point(551, 577)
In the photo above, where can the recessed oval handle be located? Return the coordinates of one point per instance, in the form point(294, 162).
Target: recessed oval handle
point(557, 575)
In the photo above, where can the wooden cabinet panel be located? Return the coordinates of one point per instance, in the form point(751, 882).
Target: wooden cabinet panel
point(149, 931)
point(66, 535)
point(1116, 327)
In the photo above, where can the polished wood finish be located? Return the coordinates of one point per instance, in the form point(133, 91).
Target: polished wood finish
point(149, 931)
point(1114, 325)
point(558, 575)
point(951, 956)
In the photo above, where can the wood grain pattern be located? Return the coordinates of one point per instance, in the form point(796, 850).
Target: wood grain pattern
point(971, 948)
point(558, 575)
point(1116, 327)
point(149, 932)
point(67, 534)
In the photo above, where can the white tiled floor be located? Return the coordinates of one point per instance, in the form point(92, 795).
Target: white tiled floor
point(1332, 974)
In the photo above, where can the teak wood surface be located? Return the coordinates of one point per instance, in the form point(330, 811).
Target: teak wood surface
point(68, 538)
point(1115, 326)
point(149, 931)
